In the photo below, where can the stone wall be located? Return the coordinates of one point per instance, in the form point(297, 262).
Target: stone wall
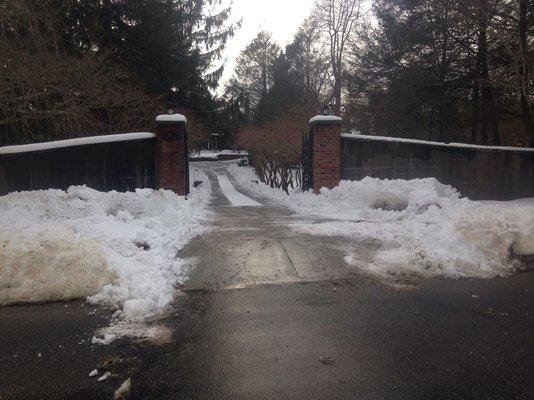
point(123, 162)
point(478, 172)
point(116, 165)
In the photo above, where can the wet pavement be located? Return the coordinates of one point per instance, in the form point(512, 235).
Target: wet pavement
point(46, 352)
point(253, 246)
point(307, 341)
point(270, 313)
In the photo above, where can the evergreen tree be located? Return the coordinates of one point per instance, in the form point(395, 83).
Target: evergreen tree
point(308, 62)
point(254, 74)
point(268, 82)
point(409, 67)
point(454, 71)
point(171, 45)
point(300, 75)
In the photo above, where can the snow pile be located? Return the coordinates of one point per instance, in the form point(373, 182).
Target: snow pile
point(419, 226)
point(117, 249)
point(50, 266)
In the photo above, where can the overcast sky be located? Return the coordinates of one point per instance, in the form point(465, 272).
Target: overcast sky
point(280, 17)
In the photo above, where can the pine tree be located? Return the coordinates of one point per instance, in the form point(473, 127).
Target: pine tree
point(454, 71)
point(254, 73)
point(172, 45)
point(308, 62)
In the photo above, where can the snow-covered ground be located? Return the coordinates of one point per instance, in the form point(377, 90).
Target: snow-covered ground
point(420, 227)
point(115, 249)
point(214, 154)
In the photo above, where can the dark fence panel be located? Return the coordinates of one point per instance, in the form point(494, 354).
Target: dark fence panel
point(119, 165)
point(478, 173)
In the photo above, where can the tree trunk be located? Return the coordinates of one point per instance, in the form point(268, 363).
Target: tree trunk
point(337, 96)
point(478, 130)
point(337, 86)
point(107, 39)
point(526, 112)
point(475, 109)
point(443, 69)
point(264, 79)
point(486, 109)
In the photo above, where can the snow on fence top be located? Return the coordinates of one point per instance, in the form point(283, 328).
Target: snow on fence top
point(325, 118)
point(26, 148)
point(429, 143)
point(171, 118)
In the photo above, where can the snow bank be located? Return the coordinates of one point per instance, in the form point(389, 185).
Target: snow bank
point(420, 226)
point(50, 266)
point(116, 249)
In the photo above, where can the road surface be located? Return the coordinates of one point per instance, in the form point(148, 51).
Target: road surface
point(270, 313)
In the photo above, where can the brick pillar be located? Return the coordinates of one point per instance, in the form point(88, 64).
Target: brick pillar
point(172, 164)
point(326, 163)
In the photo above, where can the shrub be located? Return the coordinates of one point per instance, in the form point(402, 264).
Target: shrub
point(275, 148)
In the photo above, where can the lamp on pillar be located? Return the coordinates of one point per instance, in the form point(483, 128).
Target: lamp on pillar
point(172, 155)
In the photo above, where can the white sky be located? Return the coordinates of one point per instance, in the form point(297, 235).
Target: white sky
point(280, 17)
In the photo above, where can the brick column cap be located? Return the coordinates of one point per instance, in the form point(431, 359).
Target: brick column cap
point(176, 118)
point(326, 119)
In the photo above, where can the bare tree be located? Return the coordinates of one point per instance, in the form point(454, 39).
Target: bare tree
point(515, 33)
point(275, 147)
point(523, 62)
point(484, 111)
point(47, 93)
point(308, 57)
point(338, 19)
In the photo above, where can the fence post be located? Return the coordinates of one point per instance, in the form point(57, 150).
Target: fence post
point(172, 162)
point(326, 151)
